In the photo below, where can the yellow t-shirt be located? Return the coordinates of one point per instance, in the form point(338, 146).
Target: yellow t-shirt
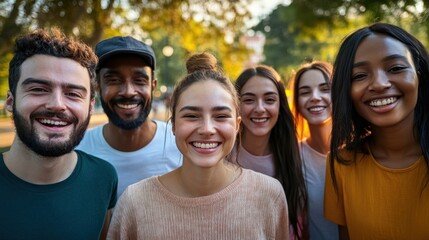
point(376, 202)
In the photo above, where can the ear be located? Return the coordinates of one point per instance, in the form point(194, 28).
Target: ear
point(154, 84)
point(173, 128)
point(238, 125)
point(91, 106)
point(9, 102)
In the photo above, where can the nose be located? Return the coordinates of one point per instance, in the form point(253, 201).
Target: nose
point(315, 96)
point(260, 106)
point(380, 82)
point(56, 102)
point(128, 90)
point(207, 127)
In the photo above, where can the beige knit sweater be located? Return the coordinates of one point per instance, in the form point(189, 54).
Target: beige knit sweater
point(252, 207)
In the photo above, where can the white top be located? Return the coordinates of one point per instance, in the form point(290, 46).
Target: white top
point(158, 157)
point(262, 164)
point(314, 174)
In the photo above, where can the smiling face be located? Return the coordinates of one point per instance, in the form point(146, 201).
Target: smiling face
point(314, 97)
point(126, 88)
point(384, 86)
point(259, 105)
point(52, 104)
point(205, 123)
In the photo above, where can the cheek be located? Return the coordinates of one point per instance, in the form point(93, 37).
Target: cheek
point(274, 109)
point(301, 104)
point(245, 109)
point(357, 91)
point(230, 129)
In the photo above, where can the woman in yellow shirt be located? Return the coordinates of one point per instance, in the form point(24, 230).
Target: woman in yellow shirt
point(377, 177)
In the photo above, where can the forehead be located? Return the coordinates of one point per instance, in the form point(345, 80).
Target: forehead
point(311, 77)
point(128, 61)
point(376, 47)
point(258, 84)
point(207, 93)
point(55, 70)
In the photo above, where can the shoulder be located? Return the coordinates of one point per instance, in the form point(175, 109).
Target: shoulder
point(163, 127)
point(91, 138)
point(143, 190)
point(94, 161)
point(262, 181)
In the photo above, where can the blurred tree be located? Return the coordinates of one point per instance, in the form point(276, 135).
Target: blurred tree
point(307, 30)
point(191, 25)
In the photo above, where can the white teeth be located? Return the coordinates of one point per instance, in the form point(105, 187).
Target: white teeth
point(383, 102)
point(127, 106)
point(259, 120)
point(316, 109)
point(205, 145)
point(52, 122)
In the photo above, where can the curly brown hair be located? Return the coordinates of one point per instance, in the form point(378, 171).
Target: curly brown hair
point(51, 42)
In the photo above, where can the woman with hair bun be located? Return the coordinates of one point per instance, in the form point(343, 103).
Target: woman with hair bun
point(207, 197)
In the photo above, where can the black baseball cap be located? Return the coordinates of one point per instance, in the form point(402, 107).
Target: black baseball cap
point(128, 45)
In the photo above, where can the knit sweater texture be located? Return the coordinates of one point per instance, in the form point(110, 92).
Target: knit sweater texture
point(252, 207)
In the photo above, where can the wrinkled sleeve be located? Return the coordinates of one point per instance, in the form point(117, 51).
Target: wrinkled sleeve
point(123, 223)
point(282, 231)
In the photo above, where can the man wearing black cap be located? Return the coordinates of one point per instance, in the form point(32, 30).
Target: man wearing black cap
point(137, 146)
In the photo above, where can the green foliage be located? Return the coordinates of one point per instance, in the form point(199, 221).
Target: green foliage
point(190, 25)
point(4, 73)
point(313, 30)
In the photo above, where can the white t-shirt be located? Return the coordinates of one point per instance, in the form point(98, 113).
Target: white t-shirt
point(314, 174)
point(158, 157)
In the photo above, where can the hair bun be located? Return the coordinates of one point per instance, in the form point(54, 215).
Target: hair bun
point(200, 62)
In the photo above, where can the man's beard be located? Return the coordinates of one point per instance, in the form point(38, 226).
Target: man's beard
point(48, 148)
point(127, 124)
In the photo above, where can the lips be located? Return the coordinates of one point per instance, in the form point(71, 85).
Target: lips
point(51, 122)
point(127, 103)
point(53, 119)
point(202, 145)
point(382, 101)
point(127, 106)
point(316, 109)
point(259, 120)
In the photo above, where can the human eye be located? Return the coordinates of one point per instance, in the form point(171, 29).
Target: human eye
point(397, 68)
point(358, 76)
point(190, 116)
point(141, 81)
point(110, 79)
point(247, 100)
point(223, 116)
point(37, 89)
point(325, 88)
point(74, 94)
point(303, 92)
point(271, 100)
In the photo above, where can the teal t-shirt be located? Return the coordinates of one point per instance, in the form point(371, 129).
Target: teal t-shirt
point(71, 209)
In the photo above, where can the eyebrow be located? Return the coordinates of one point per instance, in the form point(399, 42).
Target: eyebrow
point(199, 109)
point(139, 72)
point(320, 85)
point(252, 94)
point(29, 81)
point(388, 58)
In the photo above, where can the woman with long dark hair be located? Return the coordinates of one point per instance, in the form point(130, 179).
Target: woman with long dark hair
point(376, 186)
point(267, 140)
